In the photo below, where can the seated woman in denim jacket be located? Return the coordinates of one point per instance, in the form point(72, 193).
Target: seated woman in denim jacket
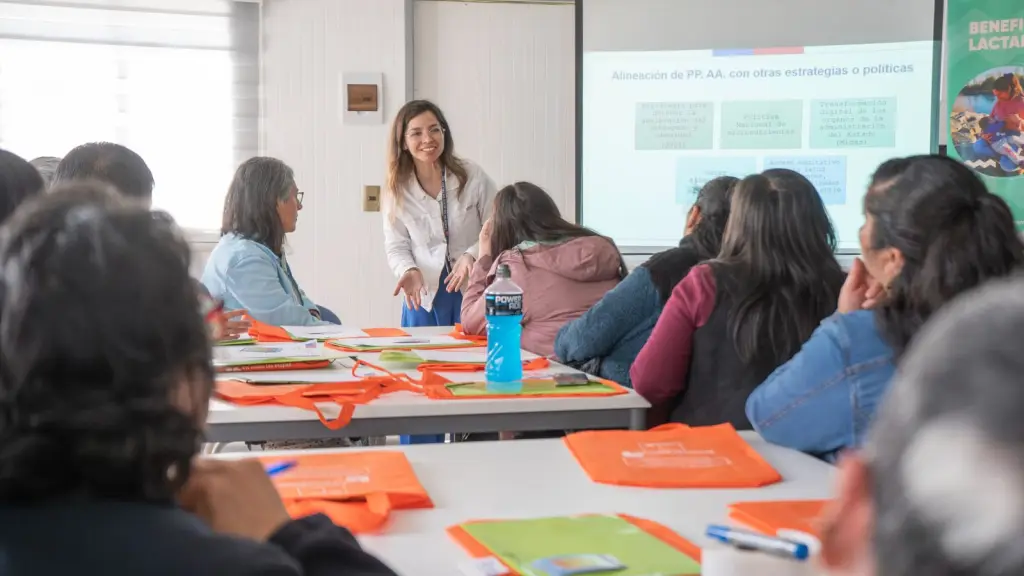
point(932, 230)
point(607, 338)
point(247, 269)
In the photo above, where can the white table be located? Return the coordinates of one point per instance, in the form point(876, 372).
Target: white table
point(536, 478)
point(409, 413)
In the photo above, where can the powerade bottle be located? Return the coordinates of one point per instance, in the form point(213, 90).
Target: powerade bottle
point(504, 313)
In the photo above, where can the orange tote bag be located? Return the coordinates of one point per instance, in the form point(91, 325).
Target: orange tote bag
point(357, 490)
point(771, 516)
point(346, 394)
point(460, 334)
point(671, 456)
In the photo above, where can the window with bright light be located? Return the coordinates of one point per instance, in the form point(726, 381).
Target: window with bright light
point(174, 80)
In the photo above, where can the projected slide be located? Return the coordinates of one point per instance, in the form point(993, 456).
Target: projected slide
point(657, 125)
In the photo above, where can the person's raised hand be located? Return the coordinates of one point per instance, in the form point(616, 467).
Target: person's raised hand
point(460, 273)
point(854, 293)
point(873, 295)
point(484, 241)
point(411, 285)
point(234, 497)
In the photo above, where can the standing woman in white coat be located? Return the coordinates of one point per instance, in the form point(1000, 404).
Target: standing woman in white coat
point(435, 204)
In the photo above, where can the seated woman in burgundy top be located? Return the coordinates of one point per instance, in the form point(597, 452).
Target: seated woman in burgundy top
point(731, 321)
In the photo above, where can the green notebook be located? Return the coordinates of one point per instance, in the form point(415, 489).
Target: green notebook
point(521, 543)
point(401, 359)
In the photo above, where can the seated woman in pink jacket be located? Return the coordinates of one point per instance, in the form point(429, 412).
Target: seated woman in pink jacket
point(562, 268)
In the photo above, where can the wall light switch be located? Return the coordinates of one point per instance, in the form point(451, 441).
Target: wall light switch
point(371, 198)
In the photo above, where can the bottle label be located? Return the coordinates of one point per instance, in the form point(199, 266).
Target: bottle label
point(504, 304)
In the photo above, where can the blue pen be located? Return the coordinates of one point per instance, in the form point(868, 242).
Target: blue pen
point(744, 540)
point(275, 469)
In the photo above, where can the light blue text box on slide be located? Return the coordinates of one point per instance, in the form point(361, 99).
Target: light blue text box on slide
point(827, 173)
point(693, 172)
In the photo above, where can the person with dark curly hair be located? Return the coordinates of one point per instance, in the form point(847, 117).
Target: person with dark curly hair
point(105, 377)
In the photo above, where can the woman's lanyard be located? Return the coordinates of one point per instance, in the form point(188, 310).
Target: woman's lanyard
point(444, 217)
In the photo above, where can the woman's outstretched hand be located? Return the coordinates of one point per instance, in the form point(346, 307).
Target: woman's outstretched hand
point(411, 285)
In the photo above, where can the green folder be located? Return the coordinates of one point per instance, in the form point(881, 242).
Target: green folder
point(520, 543)
point(246, 342)
point(269, 361)
point(402, 359)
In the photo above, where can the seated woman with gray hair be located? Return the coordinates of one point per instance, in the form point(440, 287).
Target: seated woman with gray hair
point(248, 269)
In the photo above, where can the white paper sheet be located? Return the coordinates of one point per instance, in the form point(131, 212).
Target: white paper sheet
point(269, 351)
point(405, 341)
point(324, 332)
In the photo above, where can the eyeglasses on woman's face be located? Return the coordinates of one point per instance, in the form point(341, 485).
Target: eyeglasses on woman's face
point(435, 132)
point(298, 196)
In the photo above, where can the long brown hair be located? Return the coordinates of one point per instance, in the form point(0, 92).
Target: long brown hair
point(1010, 83)
point(524, 212)
point(400, 164)
point(779, 246)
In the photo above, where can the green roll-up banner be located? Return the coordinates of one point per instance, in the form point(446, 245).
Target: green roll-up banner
point(985, 99)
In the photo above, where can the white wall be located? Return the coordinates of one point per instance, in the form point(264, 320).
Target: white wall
point(504, 74)
point(338, 250)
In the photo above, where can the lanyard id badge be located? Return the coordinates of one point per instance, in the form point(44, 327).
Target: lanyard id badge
point(444, 217)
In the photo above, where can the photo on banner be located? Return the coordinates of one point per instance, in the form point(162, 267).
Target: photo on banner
point(985, 75)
